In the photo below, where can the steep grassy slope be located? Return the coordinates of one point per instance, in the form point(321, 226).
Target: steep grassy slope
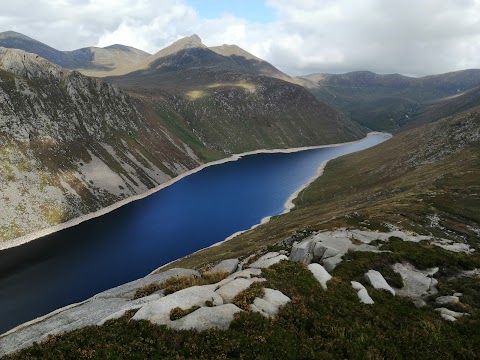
point(230, 108)
point(447, 107)
point(387, 102)
point(425, 180)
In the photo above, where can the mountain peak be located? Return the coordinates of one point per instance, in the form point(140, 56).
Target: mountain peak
point(192, 41)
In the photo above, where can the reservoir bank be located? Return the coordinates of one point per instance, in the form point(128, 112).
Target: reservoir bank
point(195, 212)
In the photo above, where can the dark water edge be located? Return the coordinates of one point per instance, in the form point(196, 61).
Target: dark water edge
point(199, 210)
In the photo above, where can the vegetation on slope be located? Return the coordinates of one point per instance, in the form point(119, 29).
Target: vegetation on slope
point(426, 180)
point(316, 324)
point(389, 102)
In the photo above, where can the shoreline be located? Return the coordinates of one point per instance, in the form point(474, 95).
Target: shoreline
point(76, 221)
point(288, 205)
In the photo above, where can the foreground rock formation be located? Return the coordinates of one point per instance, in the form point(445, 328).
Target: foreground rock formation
point(214, 305)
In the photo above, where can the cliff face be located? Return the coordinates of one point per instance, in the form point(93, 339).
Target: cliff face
point(71, 145)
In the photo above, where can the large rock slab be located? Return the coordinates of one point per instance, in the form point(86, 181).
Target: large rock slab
point(158, 312)
point(234, 287)
point(86, 313)
point(331, 263)
point(268, 260)
point(362, 293)
point(227, 266)
point(416, 283)
point(320, 274)
point(128, 290)
point(218, 317)
point(270, 303)
point(377, 281)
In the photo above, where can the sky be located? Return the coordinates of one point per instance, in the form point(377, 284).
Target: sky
point(411, 37)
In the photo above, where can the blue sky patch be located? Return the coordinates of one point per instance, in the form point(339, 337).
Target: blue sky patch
point(251, 10)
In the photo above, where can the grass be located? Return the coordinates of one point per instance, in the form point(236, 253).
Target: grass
point(245, 298)
point(178, 283)
point(433, 170)
point(316, 324)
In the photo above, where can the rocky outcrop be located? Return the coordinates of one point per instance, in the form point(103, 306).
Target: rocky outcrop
point(416, 283)
point(210, 306)
point(90, 312)
point(228, 266)
point(268, 260)
point(270, 303)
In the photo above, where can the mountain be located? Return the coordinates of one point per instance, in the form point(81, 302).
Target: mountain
point(379, 259)
point(230, 106)
point(71, 145)
point(387, 102)
point(446, 107)
point(91, 60)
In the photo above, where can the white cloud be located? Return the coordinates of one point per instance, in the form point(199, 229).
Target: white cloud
point(406, 36)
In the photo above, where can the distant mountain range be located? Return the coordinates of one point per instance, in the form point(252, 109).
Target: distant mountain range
point(90, 58)
point(378, 102)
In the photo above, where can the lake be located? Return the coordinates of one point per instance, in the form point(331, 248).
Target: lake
point(128, 243)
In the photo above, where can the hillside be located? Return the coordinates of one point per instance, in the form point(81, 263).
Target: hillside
point(378, 260)
point(89, 60)
point(231, 107)
point(71, 145)
point(387, 102)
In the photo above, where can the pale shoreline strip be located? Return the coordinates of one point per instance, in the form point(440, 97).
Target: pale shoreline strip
point(289, 205)
point(44, 232)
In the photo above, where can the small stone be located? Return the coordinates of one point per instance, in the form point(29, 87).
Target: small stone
point(377, 281)
point(442, 300)
point(320, 274)
point(362, 293)
point(448, 312)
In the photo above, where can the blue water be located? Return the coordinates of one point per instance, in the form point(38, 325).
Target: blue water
point(130, 242)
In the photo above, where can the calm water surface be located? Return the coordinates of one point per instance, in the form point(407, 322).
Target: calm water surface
point(130, 242)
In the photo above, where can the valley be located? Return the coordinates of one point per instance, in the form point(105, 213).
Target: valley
point(79, 134)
